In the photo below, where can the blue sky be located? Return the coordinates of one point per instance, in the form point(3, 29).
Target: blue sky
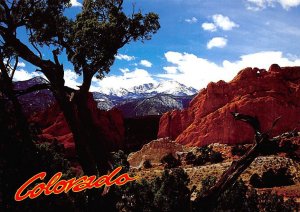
point(200, 41)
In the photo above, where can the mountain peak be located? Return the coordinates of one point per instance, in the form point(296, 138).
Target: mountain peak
point(175, 88)
point(150, 89)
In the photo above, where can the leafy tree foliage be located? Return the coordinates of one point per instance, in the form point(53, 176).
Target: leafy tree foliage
point(91, 40)
point(171, 192)
point(204, 155)
point(274, 202)
point(135, 196)
point(119, 158)
point(166, 193)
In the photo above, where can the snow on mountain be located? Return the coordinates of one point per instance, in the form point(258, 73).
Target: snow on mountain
point(147, 99)
point(143, 88)
point(114, 92)
point(151, 89)
point(174, 88)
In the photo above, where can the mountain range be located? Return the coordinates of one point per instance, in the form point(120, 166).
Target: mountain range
point(150, 89)
point(142, 100)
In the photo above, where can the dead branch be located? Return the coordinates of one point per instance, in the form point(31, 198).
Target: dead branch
point(209, 199)
point(32, 89)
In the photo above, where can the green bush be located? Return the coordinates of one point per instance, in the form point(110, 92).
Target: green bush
point(170, 161)
point(272, 178)
point(205, 155)
point(241, 198)
point(167, 193)
point(216, 157)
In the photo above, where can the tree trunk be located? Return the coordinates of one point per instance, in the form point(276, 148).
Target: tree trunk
point(92, 154)
point(96, 142)
point(55, 74)
point(80, 136)
point(7, 89)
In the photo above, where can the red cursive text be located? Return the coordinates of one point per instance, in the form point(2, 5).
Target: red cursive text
point(57, 186)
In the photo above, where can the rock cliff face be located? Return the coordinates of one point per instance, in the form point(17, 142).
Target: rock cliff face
point(109, 123)
point(154, 151)
point(264, 94)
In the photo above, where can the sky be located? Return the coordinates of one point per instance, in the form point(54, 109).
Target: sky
point(200, 41)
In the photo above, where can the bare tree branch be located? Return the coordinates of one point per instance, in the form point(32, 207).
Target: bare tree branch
point(32, 89)
point(39, 87)
point(229, 177)
point(14, 68)
point(35, 47)
point(55, 56)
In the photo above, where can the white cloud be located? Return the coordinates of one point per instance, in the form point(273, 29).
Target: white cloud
point(124, 70)
point(219, 21)
point(124, 57)
point(75, 3)
point(191, 20)
point(198, 72)
point(146, 63)
point(71, 79)
point(21, 64)
point(22, 75)
point(12, 63)
point(170, 69)
point(224, 22)
point(287, 4)
point(209, 27)
point(218, 42)
point(256, 5)
point(127, 80)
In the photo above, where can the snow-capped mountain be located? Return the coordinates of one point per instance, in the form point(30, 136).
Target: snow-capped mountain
point(147, 90)
point(147, 99)
point(174, 88)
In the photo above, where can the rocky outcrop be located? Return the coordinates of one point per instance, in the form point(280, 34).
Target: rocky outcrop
point(154, 152)
point(264, 94)
point(54, 126)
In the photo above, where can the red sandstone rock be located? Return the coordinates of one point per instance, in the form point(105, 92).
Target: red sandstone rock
point(109, 123)
point(264, 94)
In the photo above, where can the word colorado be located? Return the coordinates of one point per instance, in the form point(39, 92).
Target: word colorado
point(57, 186)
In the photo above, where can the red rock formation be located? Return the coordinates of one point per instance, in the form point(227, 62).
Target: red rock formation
point(265, 94)
point(109, 123)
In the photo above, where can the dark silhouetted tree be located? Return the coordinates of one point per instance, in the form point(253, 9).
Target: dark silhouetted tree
point(90, 41)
